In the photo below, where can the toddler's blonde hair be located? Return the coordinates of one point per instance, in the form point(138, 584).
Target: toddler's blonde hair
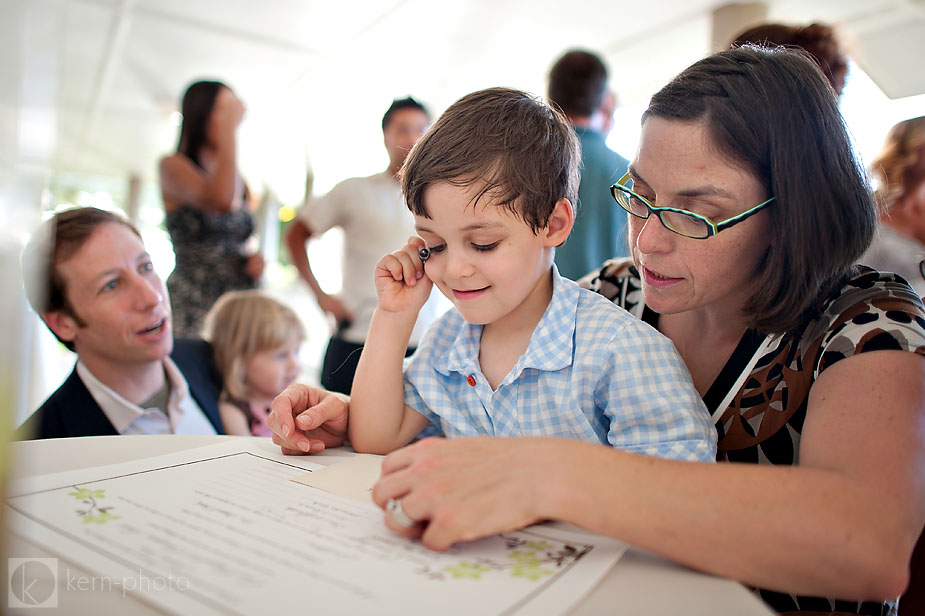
point(242, 323)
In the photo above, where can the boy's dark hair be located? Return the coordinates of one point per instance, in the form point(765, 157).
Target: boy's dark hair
point(577, 82)
point(55, 241)
point(518, 149)
point(197, 105)
point(772, 113)
point(397, 105)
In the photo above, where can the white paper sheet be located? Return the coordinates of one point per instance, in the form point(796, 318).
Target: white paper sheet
point(223, 530)
point(353, 478)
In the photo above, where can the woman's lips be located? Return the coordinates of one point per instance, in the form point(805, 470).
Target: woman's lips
point(654, 279)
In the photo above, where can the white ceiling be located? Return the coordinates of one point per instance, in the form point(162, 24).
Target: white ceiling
point(88, 86)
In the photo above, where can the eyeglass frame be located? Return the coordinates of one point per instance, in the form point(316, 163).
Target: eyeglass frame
point(712, 227)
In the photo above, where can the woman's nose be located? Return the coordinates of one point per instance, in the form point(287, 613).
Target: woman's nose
point(651, 236)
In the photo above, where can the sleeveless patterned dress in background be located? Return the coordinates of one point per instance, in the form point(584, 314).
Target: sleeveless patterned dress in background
point(762, 420)
point(210, 251)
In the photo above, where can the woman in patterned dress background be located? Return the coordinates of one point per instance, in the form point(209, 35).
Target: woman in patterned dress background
point(207, 206)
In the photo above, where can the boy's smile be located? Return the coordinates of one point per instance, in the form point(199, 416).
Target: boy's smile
point(484, 258)
point(462, 294)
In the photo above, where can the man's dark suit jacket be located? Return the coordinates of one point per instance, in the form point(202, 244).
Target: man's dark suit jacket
point(72, 411)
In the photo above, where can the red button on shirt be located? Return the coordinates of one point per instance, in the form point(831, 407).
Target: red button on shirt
point(471, 380)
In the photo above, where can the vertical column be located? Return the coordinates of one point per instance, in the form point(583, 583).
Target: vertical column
point(133, 203)
point(730, 19)
point(28, 139)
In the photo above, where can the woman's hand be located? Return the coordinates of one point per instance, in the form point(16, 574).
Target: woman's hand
point(466, 488)
point(228, 110)
point(401, 283)
point(307, 419)
point(253, 267)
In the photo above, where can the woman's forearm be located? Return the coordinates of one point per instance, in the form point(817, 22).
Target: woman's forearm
point(801, 530)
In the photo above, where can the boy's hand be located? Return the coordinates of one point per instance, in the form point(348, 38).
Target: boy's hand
point(307, 420)
point(401, 283)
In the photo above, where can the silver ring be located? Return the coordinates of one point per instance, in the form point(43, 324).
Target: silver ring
point(398, 514)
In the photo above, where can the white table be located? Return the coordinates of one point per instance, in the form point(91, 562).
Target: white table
point(640, 582)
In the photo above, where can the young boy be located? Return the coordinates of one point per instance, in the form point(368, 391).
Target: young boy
point(525, 352)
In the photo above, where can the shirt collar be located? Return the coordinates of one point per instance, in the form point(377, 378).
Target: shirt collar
point(122, 413)
point(551, 344)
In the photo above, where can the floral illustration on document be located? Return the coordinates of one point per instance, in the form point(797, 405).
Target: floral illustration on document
point(525, 559)
point(95, 513)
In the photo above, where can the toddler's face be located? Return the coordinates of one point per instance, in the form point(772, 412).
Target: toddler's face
point(267, 373)
point(483, 258)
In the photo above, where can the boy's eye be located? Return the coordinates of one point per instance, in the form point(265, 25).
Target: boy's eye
point(485, 247)
point(147, 266)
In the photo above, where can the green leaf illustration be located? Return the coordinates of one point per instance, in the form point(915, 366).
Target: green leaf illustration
point(532, 571)
point(100, 518)
point(95, 514)
point(466, 569)
point(539, 546)
point(84, 493)
point(523, 557)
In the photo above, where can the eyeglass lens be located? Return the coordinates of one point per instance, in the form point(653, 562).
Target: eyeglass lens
point(674, 221)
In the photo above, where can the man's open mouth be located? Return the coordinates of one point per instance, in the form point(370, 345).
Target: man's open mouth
point(154, 328)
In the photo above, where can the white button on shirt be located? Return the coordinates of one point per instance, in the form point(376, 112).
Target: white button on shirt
point(183, 414)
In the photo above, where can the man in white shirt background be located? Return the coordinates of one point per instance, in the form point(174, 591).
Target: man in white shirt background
point(375, 221)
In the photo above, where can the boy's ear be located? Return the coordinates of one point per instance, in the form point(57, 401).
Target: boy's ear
point(560, 223)
point(62, 324)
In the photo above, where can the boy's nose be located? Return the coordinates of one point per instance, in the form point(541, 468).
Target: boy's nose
point(457, 266)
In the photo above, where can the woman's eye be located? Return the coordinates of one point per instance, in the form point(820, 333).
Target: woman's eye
point(146, 267)
point(485, 247)
point(437, 248)
point(109, 286)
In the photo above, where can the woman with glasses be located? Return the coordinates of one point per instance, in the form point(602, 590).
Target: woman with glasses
point(207, 207)
point(748, 212)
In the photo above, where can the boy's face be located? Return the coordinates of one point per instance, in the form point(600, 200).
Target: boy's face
point(486, 260)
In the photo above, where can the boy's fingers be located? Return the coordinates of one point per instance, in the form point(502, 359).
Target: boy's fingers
point(408, 267)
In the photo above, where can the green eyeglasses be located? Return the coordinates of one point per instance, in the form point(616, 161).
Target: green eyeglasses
point(681, 222)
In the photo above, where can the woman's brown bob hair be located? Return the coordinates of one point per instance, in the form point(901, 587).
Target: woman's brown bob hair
point(772, 113)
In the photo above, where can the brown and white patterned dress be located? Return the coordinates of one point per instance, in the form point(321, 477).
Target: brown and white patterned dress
point(759, 399)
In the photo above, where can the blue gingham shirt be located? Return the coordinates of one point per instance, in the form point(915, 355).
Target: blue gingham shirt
point(591, 372)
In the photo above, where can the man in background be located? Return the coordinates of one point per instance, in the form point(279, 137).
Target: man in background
point(373, 216)
point(578, 86)
point(88, 276)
